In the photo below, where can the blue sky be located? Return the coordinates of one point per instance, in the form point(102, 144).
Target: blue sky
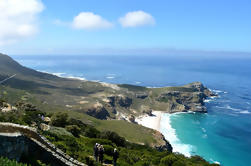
point(211, 25)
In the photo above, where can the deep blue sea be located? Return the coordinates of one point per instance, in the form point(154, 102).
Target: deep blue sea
point(222, 135)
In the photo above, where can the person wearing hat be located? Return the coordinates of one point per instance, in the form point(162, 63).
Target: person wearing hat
point(95, 151)
point(115, 156)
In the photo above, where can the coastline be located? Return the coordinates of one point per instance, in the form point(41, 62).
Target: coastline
point(152, 122)
point(161, 122)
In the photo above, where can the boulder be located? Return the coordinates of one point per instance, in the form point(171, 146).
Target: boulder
point(44, 127)
point(132, 118)
point(47, 119)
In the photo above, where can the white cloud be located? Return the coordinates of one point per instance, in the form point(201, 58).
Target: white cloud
point(18, 19)
point(137, 18)
point(89, 21)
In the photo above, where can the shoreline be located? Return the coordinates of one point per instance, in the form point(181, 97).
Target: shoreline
point(152, 122)
point(161, 122)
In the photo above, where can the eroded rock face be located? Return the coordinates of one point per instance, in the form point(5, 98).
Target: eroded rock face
point(186, 101)
point(162, 144)
point(98, 112)
point(120, 100)
point(142, 95)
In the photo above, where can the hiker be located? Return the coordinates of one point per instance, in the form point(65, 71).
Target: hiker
point(115, 156)
point(101, 153)
point(96, 151)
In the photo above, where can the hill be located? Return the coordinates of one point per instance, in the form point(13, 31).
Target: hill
point(96, 110)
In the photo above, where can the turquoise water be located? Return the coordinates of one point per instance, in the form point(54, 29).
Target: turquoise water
point(222, 135)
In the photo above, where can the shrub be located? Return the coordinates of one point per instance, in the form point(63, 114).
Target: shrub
point(7, 162)
point(59, 119)
point(168, 160)
point(142, 163)
point(114, 137)
point(91, 132)
point(179, 163)
point(74, 129)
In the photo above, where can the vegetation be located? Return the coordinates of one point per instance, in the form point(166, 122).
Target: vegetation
point(66, 102)
point(7, 162)
point(77, 139)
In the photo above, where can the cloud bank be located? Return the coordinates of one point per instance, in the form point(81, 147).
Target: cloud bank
point(18, 19)
point(136, 19)
point(90, 21)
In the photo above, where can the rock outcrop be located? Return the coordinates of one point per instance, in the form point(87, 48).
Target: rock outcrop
point(98, 111)
point(190, 99)
point(163, 144)
point(120, 100)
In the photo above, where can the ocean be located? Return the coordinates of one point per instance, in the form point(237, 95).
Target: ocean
point(222, 135)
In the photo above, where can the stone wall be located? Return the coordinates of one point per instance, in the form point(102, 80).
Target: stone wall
point(17, 141)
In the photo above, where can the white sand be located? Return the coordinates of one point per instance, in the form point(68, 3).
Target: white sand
point(152, 122)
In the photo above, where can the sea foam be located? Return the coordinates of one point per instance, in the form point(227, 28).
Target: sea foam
point(170, 135)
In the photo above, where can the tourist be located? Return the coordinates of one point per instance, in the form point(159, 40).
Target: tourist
point(96, 151)
point(115, 156)
point(101, 153)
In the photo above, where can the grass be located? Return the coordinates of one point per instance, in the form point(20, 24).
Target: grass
point(132, 132)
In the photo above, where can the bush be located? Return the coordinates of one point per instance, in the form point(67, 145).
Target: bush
point(59, 119)
point(7, 162)
point(114, 137)
point(91, 132)
point(142, 163)
point(74, 129)
point(168, 160)
point(179, 163)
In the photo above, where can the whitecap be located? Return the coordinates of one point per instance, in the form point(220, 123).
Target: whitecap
point(207, 100)
point(138, 82)
point(215, 162)
point(245, 112)
point(218, 91)
point(170, 135)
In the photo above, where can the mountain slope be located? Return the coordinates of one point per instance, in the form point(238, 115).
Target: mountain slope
point(86, 99)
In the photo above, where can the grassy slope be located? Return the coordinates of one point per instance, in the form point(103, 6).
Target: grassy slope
point(53, 94)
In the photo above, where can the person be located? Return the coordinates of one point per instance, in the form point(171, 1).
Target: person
point(101, 153)
point(115, 156)
point(95, 151)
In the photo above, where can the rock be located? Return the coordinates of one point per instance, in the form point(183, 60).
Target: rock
point(162, 144)
point(132, 118)
point(120, 100)
point(98, 112)
point(141, 95)
point(47, 119)
point(148, 112)
point(44, 127)
point(124, 101)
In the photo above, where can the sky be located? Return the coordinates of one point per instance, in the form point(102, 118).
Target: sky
point(124, 26)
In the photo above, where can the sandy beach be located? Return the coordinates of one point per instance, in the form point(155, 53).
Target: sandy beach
point(152, 122)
